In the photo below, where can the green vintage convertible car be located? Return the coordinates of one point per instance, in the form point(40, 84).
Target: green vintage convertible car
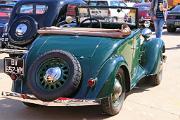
point(94, 57)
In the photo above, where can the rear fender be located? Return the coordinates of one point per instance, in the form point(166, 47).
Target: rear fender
point(106, 77)
point(152, 55)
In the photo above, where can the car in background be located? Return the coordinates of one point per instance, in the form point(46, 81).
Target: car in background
point(173, 19)
point(5, 12)
point(143, 14)
point(119, 3)
point(130, 4)
point(27, 17)
point(108, 11)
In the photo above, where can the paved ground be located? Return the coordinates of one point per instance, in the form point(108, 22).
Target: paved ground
point(142, 103)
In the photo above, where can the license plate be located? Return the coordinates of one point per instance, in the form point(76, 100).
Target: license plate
point(177, 23)
point(14, 66)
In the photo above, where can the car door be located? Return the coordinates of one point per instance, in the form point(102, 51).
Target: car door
point(136, 71)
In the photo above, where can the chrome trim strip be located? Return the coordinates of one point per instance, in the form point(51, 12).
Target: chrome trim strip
point(13, 51)
point(33, 99)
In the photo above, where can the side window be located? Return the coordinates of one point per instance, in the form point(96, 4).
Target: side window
point(41, 9)
point(122, 4)
point(92, 3)
point(26, 9)
point(102, 3)
point(114, 3)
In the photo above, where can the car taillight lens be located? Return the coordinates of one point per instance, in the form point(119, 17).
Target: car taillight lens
point(13, 77)
point(91, 82)
point(171, 17)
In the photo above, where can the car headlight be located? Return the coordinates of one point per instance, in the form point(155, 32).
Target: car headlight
point(147, 24)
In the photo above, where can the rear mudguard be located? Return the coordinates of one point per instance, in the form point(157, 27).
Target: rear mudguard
point(152, 55)
point(106, 77)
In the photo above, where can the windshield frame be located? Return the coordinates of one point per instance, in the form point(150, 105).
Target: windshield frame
point(109, 7)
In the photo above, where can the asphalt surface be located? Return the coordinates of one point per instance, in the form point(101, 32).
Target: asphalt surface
point(143, 103)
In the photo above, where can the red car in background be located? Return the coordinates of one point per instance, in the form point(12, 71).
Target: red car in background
point(143, 14)
point(5, 11)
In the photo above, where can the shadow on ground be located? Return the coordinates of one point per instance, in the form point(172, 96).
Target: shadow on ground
point(174, 48)
point(142, 86)
point(177, 33)
point(22, 112)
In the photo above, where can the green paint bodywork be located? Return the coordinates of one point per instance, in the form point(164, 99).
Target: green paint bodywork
point(100, 57)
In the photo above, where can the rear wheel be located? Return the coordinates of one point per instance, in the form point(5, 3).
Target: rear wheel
point(157, 78)
point(113, 104)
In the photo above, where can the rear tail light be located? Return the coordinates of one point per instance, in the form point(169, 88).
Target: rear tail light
point(171, 17)
point(13, 77)
point(91, 82)
point(3, 14)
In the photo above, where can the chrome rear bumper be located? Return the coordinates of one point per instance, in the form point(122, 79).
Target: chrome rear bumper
point(13, 51)
point(58, 102)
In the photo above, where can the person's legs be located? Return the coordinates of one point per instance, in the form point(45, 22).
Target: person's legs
point(161, 23)
point(158, 24)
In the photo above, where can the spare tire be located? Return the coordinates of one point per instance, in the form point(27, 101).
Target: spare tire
point(54, 74)
point(22, 31)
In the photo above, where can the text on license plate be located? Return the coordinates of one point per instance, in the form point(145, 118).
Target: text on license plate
point(14, 66)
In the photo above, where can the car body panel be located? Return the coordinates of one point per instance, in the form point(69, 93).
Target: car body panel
point(152, 56)
point(96, 55)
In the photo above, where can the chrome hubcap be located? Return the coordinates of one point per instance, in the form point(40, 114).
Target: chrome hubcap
point(117, 90)
point(21, 29)
point(52, 74)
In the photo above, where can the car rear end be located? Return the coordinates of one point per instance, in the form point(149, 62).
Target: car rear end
point(173, 19)
point(143, 14)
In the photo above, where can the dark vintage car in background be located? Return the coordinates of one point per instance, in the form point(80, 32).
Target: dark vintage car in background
point(143, 14)
point(28, 16)
point(173, 19)
point(93, 61)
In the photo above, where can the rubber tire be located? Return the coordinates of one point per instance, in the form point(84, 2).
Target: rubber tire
point(32, 105)
point(107, 103)
point(28, 37)
point(67, 89)
point(156, 79)
point(171, 29)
